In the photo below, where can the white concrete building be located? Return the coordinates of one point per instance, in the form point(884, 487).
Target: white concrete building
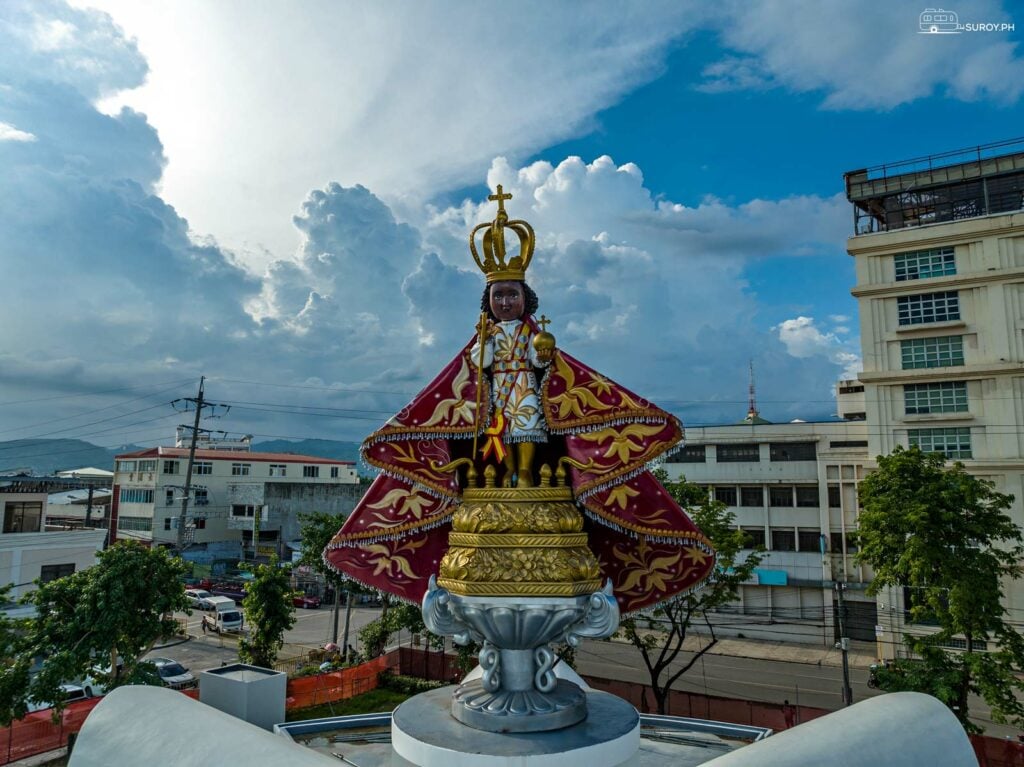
point(27, 551)
point(939, 250)
point(793, 488)
point(231, 491)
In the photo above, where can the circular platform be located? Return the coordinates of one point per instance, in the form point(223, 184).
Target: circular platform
point(425, 734)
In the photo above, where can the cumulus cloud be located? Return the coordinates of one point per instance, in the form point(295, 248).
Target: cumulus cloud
point(378, 295)
point(804, 340)
point(826, 47)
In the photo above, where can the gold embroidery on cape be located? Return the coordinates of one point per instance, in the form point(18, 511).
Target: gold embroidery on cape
point(644, 568)
point(621, 495)
point(388, 558)
point(457, 409)
point(411, 502)
point(622, 444)
point(574, 397)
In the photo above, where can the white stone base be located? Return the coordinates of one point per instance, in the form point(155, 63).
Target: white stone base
point(424, 734)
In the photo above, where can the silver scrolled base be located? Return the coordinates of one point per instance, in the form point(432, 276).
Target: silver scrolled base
point(519, 691)
point(519, 710)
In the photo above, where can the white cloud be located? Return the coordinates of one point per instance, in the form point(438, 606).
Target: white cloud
point(863, 59)
point(10, 133)
point(378, 294)
point(804, 340)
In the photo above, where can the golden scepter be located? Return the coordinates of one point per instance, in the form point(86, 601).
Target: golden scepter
point(482, 332)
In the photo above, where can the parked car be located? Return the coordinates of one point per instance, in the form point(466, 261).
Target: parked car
point(173, 674)
point(198, 598)
point(95, 683)
point(72, 693)
point(306, 600)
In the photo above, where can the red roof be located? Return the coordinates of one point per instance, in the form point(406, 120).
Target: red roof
point(232, 455)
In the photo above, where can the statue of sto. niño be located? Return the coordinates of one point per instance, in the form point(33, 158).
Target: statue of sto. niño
point(512, 399)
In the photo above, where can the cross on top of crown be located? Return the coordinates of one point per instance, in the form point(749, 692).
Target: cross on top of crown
point(500, 199)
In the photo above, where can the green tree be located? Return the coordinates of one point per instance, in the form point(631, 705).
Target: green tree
point(660, 632)
point(376, 635)
point(269, 611)
point(110, 614)
point(945, 535)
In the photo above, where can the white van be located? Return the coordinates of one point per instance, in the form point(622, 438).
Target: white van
point(224, 615)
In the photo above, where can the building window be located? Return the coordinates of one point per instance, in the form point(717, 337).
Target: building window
point(202, 496)
point(689, 454)
point(780, 495)
point(334, 472)
point(922, 264)
point(953, 442)
point(755, 537)
point(310, 471)
point(241, 469)
point(726, 495)
point(783, 540)
point(136, 495)
point(202, 467)
point(167, 523)
point(807, 496)
point(279, 470)
point(135, 523)
point(49, 573)
point(943, 397)
point(793, 451)
point(147, 465)
point(126, 466)
point(836, 542)
point(241, 510)
point(23, 516)
point(169, 497)
point(840, 443)
point(170, 467)
point(738, 453)
point(808, 540)
point(200, 523)
point(928, 307)
point(937, 352)
point(751, 496)
point(834, 497)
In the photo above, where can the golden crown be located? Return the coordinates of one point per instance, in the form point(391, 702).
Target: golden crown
point(494, 265)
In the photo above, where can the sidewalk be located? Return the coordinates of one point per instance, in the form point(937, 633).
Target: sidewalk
point(861, 654)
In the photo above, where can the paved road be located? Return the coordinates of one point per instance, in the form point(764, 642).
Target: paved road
point(721, 675)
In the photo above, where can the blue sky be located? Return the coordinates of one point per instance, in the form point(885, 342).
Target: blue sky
point(277, 196)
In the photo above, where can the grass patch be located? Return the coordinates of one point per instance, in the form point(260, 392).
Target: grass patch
point(368, 703)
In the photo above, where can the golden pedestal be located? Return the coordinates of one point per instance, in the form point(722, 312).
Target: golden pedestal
point(518, 542)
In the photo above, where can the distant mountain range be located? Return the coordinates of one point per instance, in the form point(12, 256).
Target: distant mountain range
point(47, 456)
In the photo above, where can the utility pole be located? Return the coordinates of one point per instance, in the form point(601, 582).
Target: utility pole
point(844, 644)
point(199, 403)
point(88, 507)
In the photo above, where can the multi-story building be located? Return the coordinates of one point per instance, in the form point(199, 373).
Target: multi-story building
point(792, 488)
point(939, 255)
point(27, 551)
point(234, 495)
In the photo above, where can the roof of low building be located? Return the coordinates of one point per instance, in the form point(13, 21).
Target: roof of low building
point(232, 455)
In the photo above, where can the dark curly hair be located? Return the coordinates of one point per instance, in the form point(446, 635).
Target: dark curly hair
point(531, 302)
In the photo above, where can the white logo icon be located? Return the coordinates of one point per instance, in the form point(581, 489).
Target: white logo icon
point(936, 21)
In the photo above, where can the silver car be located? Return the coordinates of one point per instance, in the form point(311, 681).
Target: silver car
point(173, 674)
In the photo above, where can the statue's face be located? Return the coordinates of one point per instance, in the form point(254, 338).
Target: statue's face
point(508, 301)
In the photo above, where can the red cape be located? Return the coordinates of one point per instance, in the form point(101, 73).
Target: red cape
point(644, 542)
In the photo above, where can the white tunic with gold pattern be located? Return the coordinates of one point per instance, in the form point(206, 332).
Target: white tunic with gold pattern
point(510, 355)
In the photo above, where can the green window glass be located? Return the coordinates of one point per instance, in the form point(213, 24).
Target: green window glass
point(952, 442)
point(922, 264)
point(941, 351)
point(942, 397)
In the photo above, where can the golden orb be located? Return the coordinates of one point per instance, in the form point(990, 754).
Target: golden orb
point(543, 341)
